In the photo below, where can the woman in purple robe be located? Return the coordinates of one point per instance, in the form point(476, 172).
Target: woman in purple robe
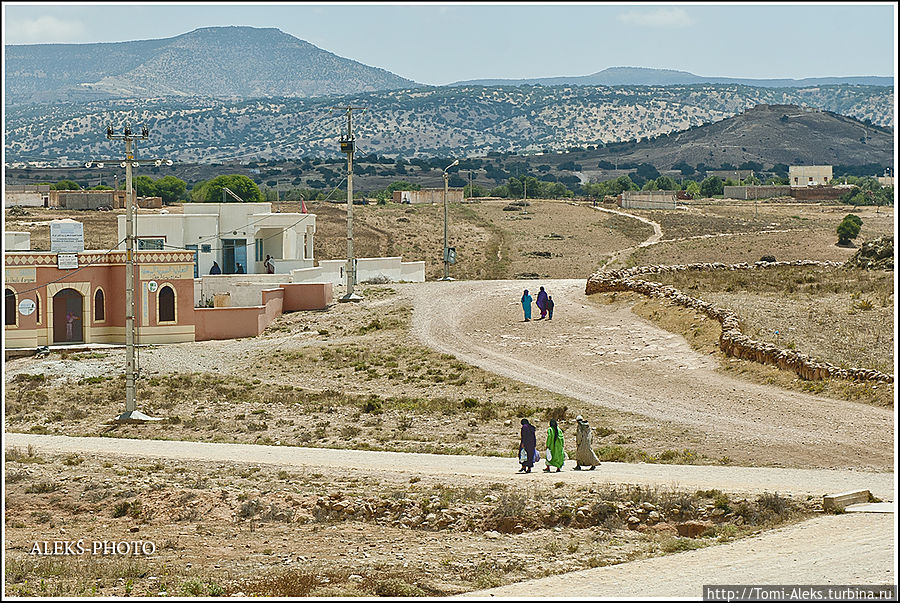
point(527, 447)
point(541, 303)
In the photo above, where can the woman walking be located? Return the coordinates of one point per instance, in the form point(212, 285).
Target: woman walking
point(527, 447)
point(542, 303)
point(584, 452)
point(526, 305)
point(555, 454)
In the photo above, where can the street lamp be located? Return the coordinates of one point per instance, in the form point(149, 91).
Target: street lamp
point(447, 249)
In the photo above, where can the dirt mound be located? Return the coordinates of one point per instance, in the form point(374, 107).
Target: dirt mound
point(876, 254)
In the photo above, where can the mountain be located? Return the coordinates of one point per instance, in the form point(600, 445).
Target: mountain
point(642, 76)
point(420, 122)
point(223, 62)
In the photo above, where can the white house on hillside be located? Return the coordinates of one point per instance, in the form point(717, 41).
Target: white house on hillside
point(230, 234)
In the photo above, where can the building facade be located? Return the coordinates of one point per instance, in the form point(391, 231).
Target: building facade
point(810, 175)
point(236, 236)
point(49, 305)
point(429, 195)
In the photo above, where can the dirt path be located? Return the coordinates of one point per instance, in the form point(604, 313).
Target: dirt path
point(739, 480)
point(608, 357)
point(856, 548)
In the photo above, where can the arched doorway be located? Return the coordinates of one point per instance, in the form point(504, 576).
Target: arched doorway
point(68, 316)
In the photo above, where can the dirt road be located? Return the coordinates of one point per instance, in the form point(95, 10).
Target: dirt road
point(610, 358)
point(856, 548)
point(744, 480)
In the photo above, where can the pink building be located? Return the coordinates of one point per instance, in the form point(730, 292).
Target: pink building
point(48, 305)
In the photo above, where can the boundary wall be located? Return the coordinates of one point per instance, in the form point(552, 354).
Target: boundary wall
point(731, 341)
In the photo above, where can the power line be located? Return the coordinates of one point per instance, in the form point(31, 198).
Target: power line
point(68, 274)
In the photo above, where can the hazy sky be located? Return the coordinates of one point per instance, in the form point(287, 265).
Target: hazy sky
point(439, 43)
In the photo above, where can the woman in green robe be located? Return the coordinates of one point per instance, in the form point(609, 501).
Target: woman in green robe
point(556, 456)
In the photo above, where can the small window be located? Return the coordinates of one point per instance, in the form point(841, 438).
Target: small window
point(259, 250)
point(166, 304)
point(99, 306)
point(11, 305)
point(206, 248)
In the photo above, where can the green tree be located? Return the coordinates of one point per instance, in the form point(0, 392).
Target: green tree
point(666, 183)
point(144, 186)
point(65, 185)
point(692, 188)
point(848, 228)
point(711, 186)
point(210, 191)
point(171, 189)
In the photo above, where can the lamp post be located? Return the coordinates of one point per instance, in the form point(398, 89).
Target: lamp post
point(446, 248)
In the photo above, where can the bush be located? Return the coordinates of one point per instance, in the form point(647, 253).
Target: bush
point(848, 229)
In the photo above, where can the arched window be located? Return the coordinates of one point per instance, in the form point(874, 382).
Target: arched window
point(10, 318)
point(166, 304)
point(99, 306)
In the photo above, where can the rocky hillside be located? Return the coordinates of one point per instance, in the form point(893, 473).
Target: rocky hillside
point(462, 121)
point(230, 62)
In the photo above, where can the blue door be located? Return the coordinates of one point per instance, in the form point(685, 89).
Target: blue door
point(234, 256)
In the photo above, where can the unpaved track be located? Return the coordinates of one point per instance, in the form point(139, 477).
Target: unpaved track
point(745, 480)
point(856, 548)
point(611, 358)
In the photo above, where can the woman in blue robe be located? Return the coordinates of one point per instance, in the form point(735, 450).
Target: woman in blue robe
point(526, 305)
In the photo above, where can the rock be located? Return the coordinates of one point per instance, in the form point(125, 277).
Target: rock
point(633, 521)
point(692, 529)
point(492, 534)
point(653, 517)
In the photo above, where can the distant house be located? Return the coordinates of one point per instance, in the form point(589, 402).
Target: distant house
point(647, 200)
point(230, 234)
point(26, 195)
point(810, 175)
point(429, 195)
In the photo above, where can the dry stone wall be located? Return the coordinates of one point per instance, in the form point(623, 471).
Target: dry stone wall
point(731, 341)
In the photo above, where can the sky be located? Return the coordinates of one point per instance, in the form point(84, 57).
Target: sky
point(440, 43)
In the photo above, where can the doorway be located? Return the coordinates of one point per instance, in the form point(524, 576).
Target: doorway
point(234, 253)
point(68, 317)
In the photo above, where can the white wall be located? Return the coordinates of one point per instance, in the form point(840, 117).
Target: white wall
point(23, 199)
point(17, 240)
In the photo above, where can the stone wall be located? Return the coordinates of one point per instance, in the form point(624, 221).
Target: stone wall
point(731, 341)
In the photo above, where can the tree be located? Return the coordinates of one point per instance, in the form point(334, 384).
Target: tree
point(210, 191)
point(711, 186)
point(692, 188)
point(144, 186)
point(171, 189)
point(848, 229)
point(666, 183)
point(65, 185)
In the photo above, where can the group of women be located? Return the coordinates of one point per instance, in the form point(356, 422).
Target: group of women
point(555, 455)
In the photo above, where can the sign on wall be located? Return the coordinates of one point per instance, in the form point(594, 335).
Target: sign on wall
point(152, 286)
point(165, 272)
point(66, 261)
point(66, 236)
point(27, 307)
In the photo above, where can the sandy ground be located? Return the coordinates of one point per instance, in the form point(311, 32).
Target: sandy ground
point(792, 555)
point(609, 357)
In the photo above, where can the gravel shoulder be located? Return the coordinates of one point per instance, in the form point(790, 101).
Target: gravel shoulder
point(610, 358)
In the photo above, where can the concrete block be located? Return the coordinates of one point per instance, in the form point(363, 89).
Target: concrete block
point(837, 502)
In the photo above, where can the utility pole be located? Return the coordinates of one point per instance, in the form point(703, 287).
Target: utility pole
point(131, 414)
point(446, 248)
point(348, 144)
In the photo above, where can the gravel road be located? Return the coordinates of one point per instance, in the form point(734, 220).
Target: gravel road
point(609, 357)
point(856, 548)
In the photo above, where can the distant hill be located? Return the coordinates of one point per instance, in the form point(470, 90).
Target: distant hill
point(642, 76)
point(223, 62)
point(428, 122)
point(765, 134)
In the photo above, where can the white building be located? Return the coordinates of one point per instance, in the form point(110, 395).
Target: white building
point(810, 175)
point(230, 234)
